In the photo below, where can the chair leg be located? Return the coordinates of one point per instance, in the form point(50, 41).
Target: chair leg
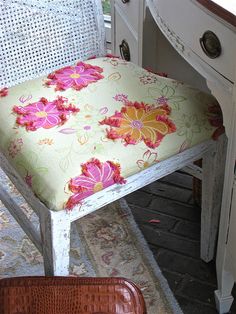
point(55, 236)
point(213, 164)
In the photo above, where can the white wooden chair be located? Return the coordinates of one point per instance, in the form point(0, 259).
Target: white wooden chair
point(39, 36)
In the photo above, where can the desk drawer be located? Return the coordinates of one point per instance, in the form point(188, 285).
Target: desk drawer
point(129, 12)
point(123, 33)
point(189, 22)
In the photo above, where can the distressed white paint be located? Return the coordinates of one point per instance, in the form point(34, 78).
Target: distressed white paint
point(193, 170)
point(213, 166)
point(184, 34)
point(55, 226)
point(20, 217)
point(55, 234)
point(226, 251)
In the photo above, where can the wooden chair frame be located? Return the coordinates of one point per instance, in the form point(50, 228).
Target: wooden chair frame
point(53, 240)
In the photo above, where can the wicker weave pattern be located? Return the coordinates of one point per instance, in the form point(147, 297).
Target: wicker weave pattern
point(39, 36)
point(61, 295)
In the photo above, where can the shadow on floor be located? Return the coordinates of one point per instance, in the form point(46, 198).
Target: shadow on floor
point(175, 240)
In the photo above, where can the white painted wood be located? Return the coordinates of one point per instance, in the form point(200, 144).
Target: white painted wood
point(226, 251)
point(125, 32)
point(223, 303)
point(183, 34)
point(135, 182)
point(21, 185)
point(20, 217)
point(127, 23)
point(194, 171)
point(188, 54)
point(55, 234)
point(129, 12)
point(55, 226)
point(196, 22)
point(213, 165)
point(227, 272)
point(226, 266)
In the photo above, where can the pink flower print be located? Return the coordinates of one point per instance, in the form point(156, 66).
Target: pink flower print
point(121, 97)
point(95, 177)
point(15, 147)
point(216, 119)
point(76, 77)
point(4, 92)
point(44, 114)
point(163, 74)
point(149, 158)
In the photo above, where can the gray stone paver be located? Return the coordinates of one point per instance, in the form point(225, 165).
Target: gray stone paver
point(175, 241)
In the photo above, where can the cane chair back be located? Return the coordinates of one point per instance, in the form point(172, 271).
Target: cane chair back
point(38, 36)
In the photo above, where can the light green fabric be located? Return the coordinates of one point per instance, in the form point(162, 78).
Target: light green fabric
point(49, 158)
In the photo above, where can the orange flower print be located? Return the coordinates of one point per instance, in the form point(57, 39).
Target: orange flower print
point(138, 122)
point(45, 141)
point(149, 158)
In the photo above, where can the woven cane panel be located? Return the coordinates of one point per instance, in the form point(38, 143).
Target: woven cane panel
point(38, 36)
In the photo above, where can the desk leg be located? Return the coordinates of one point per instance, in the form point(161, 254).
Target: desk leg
point(223, 295)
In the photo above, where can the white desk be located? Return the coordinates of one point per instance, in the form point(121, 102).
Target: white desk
point(183, 23)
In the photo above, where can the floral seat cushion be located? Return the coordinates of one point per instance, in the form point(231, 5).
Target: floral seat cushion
point(93, 124)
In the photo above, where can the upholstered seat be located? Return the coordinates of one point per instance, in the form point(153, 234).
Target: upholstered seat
point(89, 134)
point(92, 125)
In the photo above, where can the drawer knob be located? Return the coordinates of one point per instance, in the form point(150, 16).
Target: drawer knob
point(125, 1)
point(124, 50)
point(210, 44)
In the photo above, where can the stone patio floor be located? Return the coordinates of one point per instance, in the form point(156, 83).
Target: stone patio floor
point(175, 240)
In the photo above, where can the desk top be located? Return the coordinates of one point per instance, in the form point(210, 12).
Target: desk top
point(224, 9)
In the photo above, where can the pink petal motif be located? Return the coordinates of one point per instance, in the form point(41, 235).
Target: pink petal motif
point(95, 176)
point(4, 92)
point(76, 77)
point(24, 98)
point(68, 131)
point(154, 221)
point(44, 114)
point(103, 110)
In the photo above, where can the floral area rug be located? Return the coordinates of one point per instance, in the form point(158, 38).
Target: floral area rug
point(105, 243)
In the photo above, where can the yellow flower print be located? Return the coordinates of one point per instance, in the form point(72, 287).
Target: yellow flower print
point(138, 122)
